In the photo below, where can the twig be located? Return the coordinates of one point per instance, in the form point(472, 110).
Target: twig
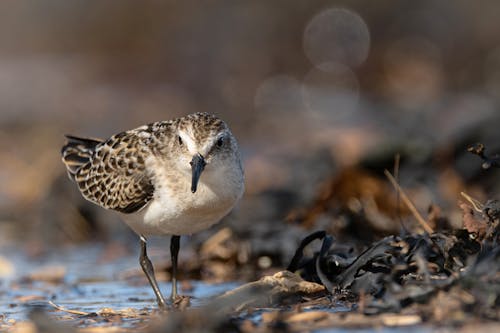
point(408, 203)
point(397, 160)
point(60, 308)
point(475, 203)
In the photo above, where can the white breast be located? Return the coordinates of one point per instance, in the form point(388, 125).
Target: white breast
point(175, 210)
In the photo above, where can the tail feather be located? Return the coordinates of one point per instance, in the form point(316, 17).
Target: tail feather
point(77, 152)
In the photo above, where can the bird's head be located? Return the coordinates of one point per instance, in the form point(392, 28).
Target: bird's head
point(205, 146)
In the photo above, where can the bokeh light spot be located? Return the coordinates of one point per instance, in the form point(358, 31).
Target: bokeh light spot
point(337, 35)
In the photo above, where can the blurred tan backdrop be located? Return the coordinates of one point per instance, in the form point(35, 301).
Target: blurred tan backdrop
point(307, 87)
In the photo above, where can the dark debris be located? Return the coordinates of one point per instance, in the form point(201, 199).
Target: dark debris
point(396, 272)
point(488, 161)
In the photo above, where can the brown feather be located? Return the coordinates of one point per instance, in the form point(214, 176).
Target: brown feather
point(108, 176)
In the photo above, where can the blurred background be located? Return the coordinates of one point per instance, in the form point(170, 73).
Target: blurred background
point(322, 95)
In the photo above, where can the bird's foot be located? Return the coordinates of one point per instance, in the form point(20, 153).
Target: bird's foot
point(162, 305)
point(181, 302)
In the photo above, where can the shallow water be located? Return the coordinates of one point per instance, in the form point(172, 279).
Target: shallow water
point(86, 284)
point(94, 296)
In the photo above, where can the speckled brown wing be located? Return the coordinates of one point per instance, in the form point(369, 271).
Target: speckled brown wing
point(111, 173)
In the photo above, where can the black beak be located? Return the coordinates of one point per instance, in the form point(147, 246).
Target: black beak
point(197, 165)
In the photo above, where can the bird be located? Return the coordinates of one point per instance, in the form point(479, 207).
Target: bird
point(174, 178)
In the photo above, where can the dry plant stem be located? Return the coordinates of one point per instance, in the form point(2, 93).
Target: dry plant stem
point(475, 203)
point(60, 308)
point(397, 159)
point(408, 203)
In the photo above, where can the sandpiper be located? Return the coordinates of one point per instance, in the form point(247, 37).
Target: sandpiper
point(173, 178)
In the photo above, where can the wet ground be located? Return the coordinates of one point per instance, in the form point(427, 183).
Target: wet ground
point(76, 280)
point(77, 288)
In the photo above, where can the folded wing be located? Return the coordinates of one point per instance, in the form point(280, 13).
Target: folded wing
point(110, 173)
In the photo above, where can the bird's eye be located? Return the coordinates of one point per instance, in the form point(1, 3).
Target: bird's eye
point(180, 140)
point(220, 142)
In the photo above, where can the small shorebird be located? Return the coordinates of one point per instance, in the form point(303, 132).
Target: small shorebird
point(173, 178)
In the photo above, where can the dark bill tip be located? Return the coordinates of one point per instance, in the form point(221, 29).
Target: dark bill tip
point(197, 166)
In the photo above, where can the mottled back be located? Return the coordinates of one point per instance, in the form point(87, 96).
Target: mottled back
point(112, 173)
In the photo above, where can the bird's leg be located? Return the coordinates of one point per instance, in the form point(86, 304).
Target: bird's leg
point(174, 251)
point(147, 267)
